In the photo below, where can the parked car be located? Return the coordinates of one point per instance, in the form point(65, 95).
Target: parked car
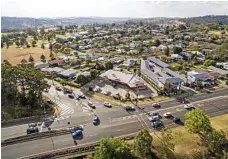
point(91, 104)
point(58, 88)
point(32, 125)
point(107, 104)
point(76, 133)
point(71, 96)
point(82, 96)
point(168, 114)
point(154, 118)
point(175, 120)
point(130, 108)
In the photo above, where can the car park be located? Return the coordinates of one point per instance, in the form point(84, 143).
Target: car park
point(130, 108)
point(91, 104)
point(168, 114)
point(107, 104)
point(176, 119)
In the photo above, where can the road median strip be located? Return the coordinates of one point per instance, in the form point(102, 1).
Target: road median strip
point(35, 136)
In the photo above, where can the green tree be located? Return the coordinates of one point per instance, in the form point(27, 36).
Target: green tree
point(81, 79)
point(108, 65)
point(17, 43)
point(42, 58)
point(197, 122)
point(177, 50)
point(23, 61)
point(167, 144)
point(51, 55)
point(103, 43)
point(143, 144)
point(42, 46)
point(111, 148)
point(93, 74)
point(23, 41)
point(31, 59)
point(33, 43)
point(167, 51)
point(213, 141)
point(156, 42)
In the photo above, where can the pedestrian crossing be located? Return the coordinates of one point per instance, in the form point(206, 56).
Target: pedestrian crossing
point(124, 118)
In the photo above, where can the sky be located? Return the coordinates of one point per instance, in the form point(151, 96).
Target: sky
point(111, 8)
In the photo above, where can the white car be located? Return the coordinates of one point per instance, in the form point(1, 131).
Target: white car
point(156, 105)
point(106, 92)
point(91, 104)
point(107, 104)
point(153, 113)
point(154, 118)
point(188, 106)
point(168, 114)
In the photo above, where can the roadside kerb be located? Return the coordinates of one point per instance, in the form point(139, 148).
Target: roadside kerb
point(34, 136)
point(74, 151)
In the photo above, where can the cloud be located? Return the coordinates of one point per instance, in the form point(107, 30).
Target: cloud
point(111, 8)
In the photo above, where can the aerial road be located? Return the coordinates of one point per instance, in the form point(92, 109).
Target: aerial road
point(115, 123)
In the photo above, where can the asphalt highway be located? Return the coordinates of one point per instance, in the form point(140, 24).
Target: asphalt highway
point(115, 122)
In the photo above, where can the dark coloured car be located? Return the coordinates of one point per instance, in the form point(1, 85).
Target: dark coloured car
point(32, 125)
point(130, 108)
point(50, 102)
point(82, 96)
point(71, 96)
point(175, 120)
point(58, 88)
point(31, 130)
point(68, 91)
point(157, 124)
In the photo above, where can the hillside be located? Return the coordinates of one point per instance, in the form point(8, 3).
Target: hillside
point(13, 23)
point(207, 19)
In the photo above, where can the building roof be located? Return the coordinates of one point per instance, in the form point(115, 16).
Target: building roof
point(52, 69)
point(59, 62)
point(127, 78)
point(157, 62)
point(174, 74)
point(68, 72)
point(218, 70)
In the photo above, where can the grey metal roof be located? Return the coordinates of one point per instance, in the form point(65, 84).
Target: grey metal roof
point(158, 62)
point(218, 70)
point(68, 72)
point(174, 74)
point(151, 75)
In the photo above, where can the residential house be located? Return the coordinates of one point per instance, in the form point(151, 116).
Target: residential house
point(116, 60)
point(56, 62)
point(129, 63)
point(121, 51)
point(69, 73)
point(194, 77)
point(186, 56)
point(222, 73)
point(40, 65)
point(176, 57)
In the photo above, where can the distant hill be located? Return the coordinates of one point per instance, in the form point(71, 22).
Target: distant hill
point(207, 19)
point(12, 23)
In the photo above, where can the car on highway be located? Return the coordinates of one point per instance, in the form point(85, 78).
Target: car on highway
point(91, 104)
point(95, 120)
point(67, 91)
point(176, 119)
point(73, 129)
point(188, 106)
point(153, 113)
point(154, 118)
point(58, 88)
point(82, 96)
point(167, 115)
point(130, 108)
point(31, 130)
point(32, 125)
point(156, 124)
point(76, 133)
point(106, 104)
point(71, 96)
point(156, 105)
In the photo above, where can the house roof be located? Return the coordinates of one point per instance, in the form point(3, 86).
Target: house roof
point(68, 72)
point(158, 62)
point(59, 62)
point(128, 78)
point(218, 70)
point(52, 69)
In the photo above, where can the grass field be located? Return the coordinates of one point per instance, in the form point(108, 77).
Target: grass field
point(186, 142)
point(14, 55)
